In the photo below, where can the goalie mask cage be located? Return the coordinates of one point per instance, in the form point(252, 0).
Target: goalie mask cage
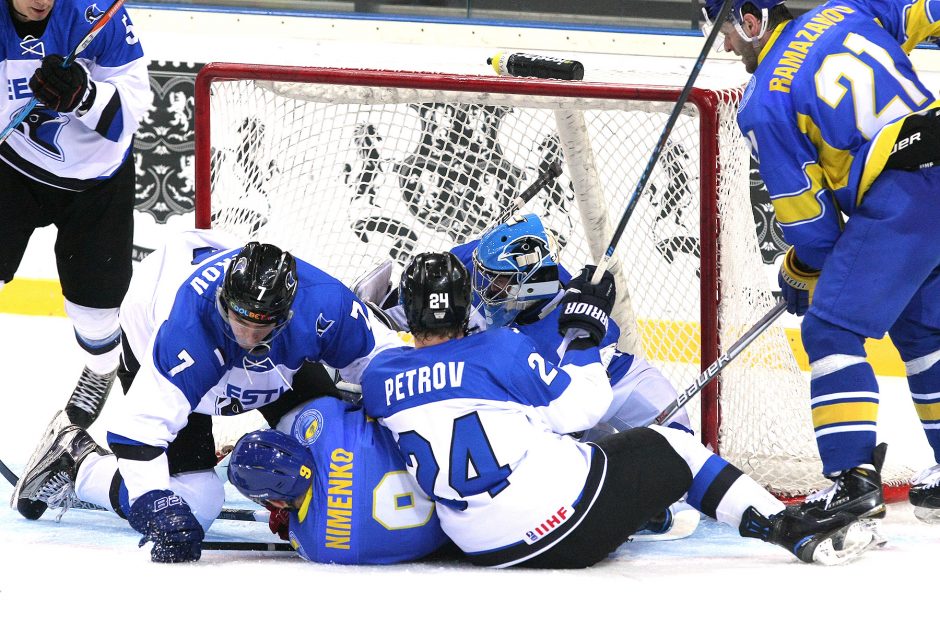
point(348, 168)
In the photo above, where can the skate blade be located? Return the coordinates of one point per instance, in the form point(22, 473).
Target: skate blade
point(874, 526)
point(847, 544)
point(58, 422)
point(684, 524)
point(929, 515)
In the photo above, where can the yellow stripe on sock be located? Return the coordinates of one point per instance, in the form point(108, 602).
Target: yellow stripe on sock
point(927, 411)
point(838, 413)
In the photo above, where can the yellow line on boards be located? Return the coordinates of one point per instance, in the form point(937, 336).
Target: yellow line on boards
point(679, 342)
point(32, 297)
point(674, 341)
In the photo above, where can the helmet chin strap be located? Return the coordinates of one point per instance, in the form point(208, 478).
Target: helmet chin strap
point(739, 26)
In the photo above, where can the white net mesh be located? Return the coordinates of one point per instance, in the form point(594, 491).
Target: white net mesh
point(346, 176)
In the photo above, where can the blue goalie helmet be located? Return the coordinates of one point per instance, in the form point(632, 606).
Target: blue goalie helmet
point(514, 267)
point(269, 465)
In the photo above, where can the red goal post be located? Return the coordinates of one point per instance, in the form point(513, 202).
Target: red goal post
point(348, 167)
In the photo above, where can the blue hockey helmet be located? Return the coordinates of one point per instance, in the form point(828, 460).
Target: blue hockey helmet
point(269, 465)
point(736, 16)
point(515, 266)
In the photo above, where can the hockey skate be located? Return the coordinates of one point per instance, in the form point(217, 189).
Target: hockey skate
point(677, 521)
point(49, 477)
point(925, 495)
point(89, 396)
point(837, 539)
point(856, 491)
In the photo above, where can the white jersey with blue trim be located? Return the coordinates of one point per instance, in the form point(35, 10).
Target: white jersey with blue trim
point(69, 150)
point(478, 421)
point(193, 364)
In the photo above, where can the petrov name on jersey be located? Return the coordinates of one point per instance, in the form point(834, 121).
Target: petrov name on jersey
point(423, 379)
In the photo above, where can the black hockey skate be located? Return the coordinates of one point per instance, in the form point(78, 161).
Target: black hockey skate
point(49, 477)
point(856, 491)
point(925, 495)
point(88, 398)
point(836, 539)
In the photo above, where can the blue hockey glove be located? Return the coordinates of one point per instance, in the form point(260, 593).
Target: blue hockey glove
point(166, 520)
point(798, 282)
point(586, 307)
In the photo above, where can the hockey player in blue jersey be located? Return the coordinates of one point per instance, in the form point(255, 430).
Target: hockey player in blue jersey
point(237, 334)
point(519, 282)
point(480, 421)
point(847, 138)
point(518, 278)
point(343, 483)
point(70, 164)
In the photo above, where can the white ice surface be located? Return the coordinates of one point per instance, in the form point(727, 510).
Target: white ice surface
point(87, 569)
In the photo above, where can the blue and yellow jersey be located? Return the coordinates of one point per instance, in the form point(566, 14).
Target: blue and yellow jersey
point(827, 83)
point(363, 507)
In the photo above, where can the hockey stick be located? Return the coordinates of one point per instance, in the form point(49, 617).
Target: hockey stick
point(549, 174)
point(247, 546)
point(92, 33)
point(8, 474)
point(604, 262)
point(251, 515)
point(716, 367)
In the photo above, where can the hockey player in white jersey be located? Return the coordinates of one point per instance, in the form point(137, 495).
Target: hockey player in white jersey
point(480, 421)
point(242, 328)
point(518, 282)
point(70, 164)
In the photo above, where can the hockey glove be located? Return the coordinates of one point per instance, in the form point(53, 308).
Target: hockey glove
point(166, 520)
point(586, 308)
point(279, 522)
point(57, 87)
point(797, 282)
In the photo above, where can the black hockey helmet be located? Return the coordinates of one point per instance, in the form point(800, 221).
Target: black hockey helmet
point(435, 293)
point(260, 284)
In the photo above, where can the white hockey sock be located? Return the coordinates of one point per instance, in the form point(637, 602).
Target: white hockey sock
point(99, 334)
point(93, 481)
point(743, 492)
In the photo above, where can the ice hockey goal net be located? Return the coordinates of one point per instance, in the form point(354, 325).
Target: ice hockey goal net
point(347, 168)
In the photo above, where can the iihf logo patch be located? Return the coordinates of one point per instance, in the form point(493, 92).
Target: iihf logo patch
point(556, 520)
point(315, 428)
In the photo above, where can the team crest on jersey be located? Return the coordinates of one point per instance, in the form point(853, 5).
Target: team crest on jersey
point(323, 325)
point(315, 428)
point(31, 45)
point(42, 129)
point(92, 14)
